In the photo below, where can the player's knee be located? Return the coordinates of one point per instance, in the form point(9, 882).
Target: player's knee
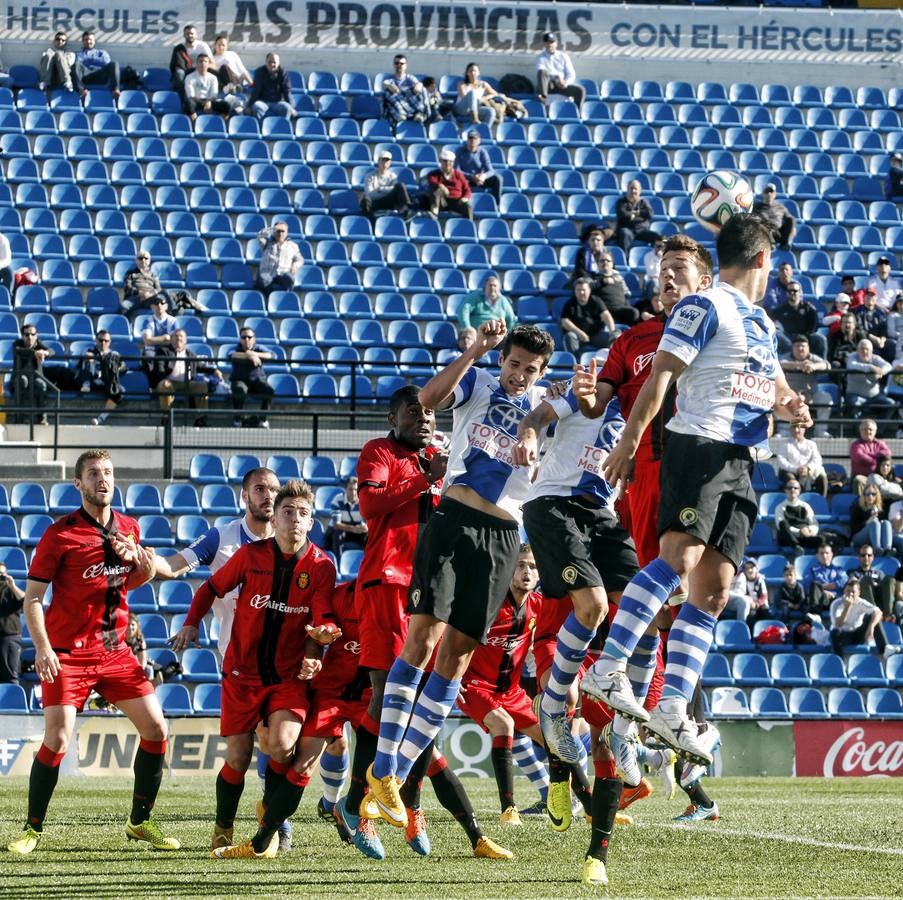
point(57, 739)
point(499, 723)
point(590, 606)
point(155, 730)
point(338, 746)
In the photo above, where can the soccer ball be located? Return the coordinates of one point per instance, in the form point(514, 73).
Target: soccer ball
point(718, 196)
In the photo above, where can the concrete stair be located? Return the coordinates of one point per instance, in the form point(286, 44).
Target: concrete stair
point(29, 461)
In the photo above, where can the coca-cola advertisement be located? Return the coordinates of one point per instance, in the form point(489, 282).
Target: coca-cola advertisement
point(849, 749)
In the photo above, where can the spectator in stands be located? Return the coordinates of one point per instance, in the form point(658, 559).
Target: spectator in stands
point(448, 188)
point(159, 326)
point(11, 597)
point(436, 106)
point(248, 377)
point(272, 91)
point(798, 316)
point(865, 374)
point(649, 309)
point(56, 65)
point(864, 453)
point(279, 259)
point(28, 384)
point(403, 95)
point(466, 338)
point(652, 263)
point(839, 309)
point(886, 480)
point(844, 342)
point(555, 73)
point(894, 322)
point(895, 517)
point(634, 219)
point(231, 72)
point(869, 522)
point(874, 585)
point(823, 580)
point(94, 67)
point(185, 373)
point(472, 102)
point(585, 322)
point(588, 262)
point(886, 286)
point(485, 305)
point(609, 286)
point(182, 61)
point(141, 286)
point(134, 638)
point(795, 520)
point(848, 286)
point(776, 289)
point(799, 460)
point(853, 619)
point(6, 262)
point(894, 189)
point(748, 597)
point(383, 191)
point(791, 598)
point(202, 93)
point(802, 368)
point(99, 370)
point(347, 528)
point(872, 319)
point(473, 160)
point(776, 216)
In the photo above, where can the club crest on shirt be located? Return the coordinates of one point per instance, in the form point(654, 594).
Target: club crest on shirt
point(415, 597)
point(687, 319)
point(688, 516)
point(303, 580)
point(569, 574)
point(531, 625)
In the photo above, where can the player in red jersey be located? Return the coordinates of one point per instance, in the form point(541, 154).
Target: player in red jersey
point(491, 693)
point(283, 616)
point(92, 558)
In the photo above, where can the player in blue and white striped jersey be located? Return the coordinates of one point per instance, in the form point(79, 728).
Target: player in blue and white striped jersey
point(720, 348)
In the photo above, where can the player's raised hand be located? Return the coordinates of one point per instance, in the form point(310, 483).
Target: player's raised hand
point(794, 409)
point(309, 668)
point(618, 467)
point(526, 451)
point(438, 465)
point(324, 634)
point(583, 383)
point(489, 335)
point(126, 550)
point(556, 389)
point(186, 636)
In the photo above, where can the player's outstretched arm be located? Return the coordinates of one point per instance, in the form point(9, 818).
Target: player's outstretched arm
point(437, 392)
point(618, 467)
point(46, 663)
point(168, 567)
point(526, 451)
point(789, 405)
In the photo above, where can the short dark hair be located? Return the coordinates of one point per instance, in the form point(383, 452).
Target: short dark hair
point(531, 339)
point(800, 339)
point(253, 473)
point(410, 393)
point(686, 244)
point(202, 56)
point(88, 455)
point(740, 240)
point(292, 489)
point(524, 548)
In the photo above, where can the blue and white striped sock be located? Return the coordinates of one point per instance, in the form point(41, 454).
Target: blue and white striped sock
point(583, 739)
point(524, 755)
point(688, 645)
point(433, 706)
point(641, 665)
point(398, 701)
point(642, 599)
point(570, 651)
point(332, 770)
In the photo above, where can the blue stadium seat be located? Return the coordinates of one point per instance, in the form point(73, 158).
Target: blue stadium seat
point(143, 498)
point(200, 665)
point(207, 468)
point(14, 559)
point(807, 703)
point(768, 703)
point(864, 670)
point(13, 700)
point(827, 669)
point(730, 703)
point(732, 636)
point(751, 669)
point(846, 703)
point(716, 671)
point(174, 699)
point(9, 533)
point(320, 388)
point(29, 497)
point(219, 500)
point(207, 698)
point(884, 703)
point(789, 670)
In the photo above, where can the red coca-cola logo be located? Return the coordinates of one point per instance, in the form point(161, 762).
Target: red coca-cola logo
point(849, 749)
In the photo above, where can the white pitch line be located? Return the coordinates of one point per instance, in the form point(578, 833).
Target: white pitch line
point(774, 836)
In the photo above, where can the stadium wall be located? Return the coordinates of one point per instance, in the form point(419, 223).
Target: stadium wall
point(106, 745)
point(761, 45)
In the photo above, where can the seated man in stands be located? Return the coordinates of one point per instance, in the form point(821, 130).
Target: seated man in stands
point(141, 286)
point(184, 55)
point(894, 189)
point(448, 188)
point(473, 160)
point(485, 305)
point(823, 580)
point(588, 262)
point(56, 65)
point(272, 91)
point(383, 192)
point(99, 370)
point(403, 95)
point(854, 620)
point(777, 287)
point(347, 528)
point(609, 286)
point(874, 585)
point(28, 384)
point(872, 319)
point(185, 374)
point(802, 368)
point(585, 322)
point(748, 598)
point(844, 343)
point(798, 316)
point(279, 259)
point(864, 453)
point(94, 67)
point(248, 377)
point(795, 520)
point(886, 286)
point(202, 93)
point(634, 219)
point(799, 460)
point(776, 216)
point(555, 73)
point(865, 376)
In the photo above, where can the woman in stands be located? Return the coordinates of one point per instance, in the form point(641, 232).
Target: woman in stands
point(868, 522)
point(230, 71)
point(472, 94)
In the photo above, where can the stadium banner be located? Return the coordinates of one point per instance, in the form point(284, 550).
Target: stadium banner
point(709, 34)
point(849, 749)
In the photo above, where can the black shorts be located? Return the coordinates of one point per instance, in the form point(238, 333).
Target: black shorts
point(577, 544)
point(706, 491)
point(463, 566)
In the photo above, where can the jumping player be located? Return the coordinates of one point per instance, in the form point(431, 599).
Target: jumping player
point(286, 585)
point(466, 555)
point(721, 347)
point(92, 558)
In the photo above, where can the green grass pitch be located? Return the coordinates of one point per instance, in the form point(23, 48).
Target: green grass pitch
point(776, 838)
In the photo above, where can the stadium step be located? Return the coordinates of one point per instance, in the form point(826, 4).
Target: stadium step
point(28, 460)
